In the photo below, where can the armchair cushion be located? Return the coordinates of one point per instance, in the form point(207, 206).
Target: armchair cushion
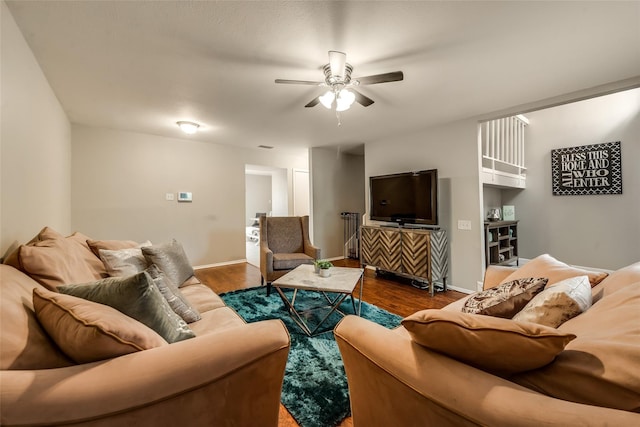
point(285, 235)
point(87, 331)
point(290, 261)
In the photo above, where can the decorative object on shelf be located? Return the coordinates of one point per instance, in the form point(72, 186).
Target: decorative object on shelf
point(494, 214)
point(501, 242)
point(587, 170)
point(508, 213)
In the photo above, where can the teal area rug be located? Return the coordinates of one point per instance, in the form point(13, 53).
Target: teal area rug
point(315, 389)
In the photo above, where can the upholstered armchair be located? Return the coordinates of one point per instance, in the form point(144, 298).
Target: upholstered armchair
point(284, 245)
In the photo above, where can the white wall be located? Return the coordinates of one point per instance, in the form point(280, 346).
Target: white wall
point(453, 150)
point(337, 186)
point(257, 196)
point(596, 231)
point(119, 182)
point(35, 145)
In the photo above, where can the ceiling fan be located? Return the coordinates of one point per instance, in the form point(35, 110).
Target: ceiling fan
point(341, 93)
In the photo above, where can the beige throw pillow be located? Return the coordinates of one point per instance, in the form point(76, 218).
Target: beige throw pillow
point(558, 303)
point(493, 344)
point(504, 300)
point(87, 331)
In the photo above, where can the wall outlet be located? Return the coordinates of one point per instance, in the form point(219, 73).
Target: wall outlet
point(169, 196)
point(464, 224)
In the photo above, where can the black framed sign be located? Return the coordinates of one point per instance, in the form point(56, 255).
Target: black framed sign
point(587, 170)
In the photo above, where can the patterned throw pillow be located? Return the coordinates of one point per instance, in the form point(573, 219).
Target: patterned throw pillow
point(505, 300)
point(137, 297)
point(558, 303)
point(173, 296)
point(124, 262)
point(171, 259)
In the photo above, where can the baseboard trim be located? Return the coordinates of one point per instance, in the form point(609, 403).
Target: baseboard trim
point(219, 264)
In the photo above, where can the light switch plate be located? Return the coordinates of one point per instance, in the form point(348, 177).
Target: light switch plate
point(169, 196)
point(464, 224)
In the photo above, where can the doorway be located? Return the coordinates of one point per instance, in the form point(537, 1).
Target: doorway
point(266, 192)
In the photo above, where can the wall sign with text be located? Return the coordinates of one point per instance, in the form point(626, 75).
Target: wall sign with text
point(587, 170)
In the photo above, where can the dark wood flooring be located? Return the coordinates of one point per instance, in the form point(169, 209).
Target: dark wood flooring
point(395, 296)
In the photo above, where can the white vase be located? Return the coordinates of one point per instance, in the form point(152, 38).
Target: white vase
point(324, 272)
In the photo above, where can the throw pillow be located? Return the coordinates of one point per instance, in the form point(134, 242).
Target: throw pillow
point(111, 245)
point(174, 297)
point(171, 259)
point(558, 303)
point(137, 297)
point(87, 331)
point(497, 345)
point(600, 367)
point(504, 300)
point(124, 262)
point(549, 267)
point(52, 259)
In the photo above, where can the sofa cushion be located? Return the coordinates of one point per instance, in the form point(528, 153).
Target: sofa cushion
point(87, 331)
point(53, 260)
point(171, 259)
point(549, 267)
point(110, 245)
point(25, 344)
point(202, 297)
point(616, 281)
point(124, 262)
point(558, 303)
point(489, 343)
point(506, 299)
point(138, 297)
point(282, 261)
point(172, 294)
point(599, 367)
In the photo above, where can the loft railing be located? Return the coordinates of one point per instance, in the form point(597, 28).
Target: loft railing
point(503, 151)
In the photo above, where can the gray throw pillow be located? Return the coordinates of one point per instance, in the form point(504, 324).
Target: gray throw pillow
point(137, 297)
point(174, 297)
point(171, 259)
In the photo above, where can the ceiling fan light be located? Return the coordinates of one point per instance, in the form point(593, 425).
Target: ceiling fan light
point(188, 127)
point(344, 100)
point(337, 62)
point(327, 99)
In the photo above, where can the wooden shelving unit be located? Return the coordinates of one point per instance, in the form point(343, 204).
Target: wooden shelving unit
point(501, 242)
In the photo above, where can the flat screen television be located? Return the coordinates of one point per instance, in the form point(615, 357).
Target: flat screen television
point(410, 197)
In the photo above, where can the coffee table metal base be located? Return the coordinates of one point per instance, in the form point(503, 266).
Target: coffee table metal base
point(333, 306)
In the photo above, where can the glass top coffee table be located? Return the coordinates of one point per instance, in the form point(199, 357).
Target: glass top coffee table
point(335, 289)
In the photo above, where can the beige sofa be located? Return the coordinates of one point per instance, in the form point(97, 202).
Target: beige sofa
point(594, 381)
point(230, 374)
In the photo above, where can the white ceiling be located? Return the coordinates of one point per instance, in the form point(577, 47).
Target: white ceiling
point(143, 65)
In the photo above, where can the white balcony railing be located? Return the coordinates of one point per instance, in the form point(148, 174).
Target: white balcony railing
point(503, 162)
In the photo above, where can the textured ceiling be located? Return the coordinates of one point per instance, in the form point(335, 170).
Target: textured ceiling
point(143, 65)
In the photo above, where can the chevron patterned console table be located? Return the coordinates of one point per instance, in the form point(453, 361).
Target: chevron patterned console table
point(417, 253)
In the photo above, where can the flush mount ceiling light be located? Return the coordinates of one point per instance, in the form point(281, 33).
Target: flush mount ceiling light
point(188, 127)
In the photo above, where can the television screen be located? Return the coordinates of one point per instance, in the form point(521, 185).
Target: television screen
point(410, 197)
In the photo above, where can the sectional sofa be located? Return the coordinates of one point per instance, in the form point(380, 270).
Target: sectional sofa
point(65, 360)
point(449, 368)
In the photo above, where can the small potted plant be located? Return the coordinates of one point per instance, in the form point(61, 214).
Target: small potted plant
point(323, 267)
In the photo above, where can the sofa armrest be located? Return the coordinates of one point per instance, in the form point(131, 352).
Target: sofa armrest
point(494, 274)
point(234, 375)
point(393, 381)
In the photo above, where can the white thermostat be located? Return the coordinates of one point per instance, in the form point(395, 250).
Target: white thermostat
point(185, 196)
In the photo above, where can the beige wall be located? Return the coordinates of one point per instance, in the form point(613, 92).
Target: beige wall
point(595, 231)
point(35, 140)
point(453, 150)
point(337, 182)
point(119, 182)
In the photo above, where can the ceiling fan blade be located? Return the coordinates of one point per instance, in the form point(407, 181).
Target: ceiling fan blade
point(381, 78)
point(365, 101)
point(299, 82)
point(313, 102)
